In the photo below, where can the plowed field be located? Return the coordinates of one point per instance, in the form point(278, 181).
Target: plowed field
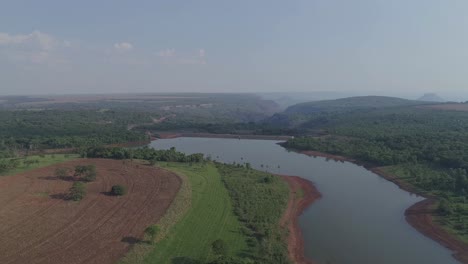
point(37, 225)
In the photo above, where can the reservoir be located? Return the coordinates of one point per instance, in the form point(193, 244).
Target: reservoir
point(360, 217)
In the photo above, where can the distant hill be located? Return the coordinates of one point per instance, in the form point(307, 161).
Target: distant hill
point(431, 97)
point(359, 102)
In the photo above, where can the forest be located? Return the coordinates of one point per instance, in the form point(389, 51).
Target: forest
point(48, 129)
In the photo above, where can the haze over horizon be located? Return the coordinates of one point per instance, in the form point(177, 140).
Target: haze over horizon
point(395, 48)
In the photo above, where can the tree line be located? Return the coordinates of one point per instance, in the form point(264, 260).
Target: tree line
point(144, 153)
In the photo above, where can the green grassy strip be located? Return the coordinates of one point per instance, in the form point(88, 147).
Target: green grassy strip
point(210, 218)
point(39, 161)
point(176, 211)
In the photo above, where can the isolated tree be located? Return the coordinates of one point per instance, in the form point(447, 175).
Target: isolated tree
point(28, 162)
point(62, 172)
point(153, 161)
point(152, 232)
point(219, 247)
point(86, 172)
point(91, 174)
point(267, 179)
point(6, 165)
point(444, 207)
point(79, 170)
point(118, 190)
point(77, 191)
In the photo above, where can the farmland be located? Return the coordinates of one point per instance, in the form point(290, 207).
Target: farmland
point(37, 225)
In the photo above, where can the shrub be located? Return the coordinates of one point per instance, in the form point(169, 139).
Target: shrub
point(62, 172)
point(77, 191)
point(86, 172)
point(152, 232)
point(153, 161)
point(219, 247)
point(444, 207)
point(118, 190)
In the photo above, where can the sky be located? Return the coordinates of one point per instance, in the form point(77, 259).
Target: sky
point(397, 47)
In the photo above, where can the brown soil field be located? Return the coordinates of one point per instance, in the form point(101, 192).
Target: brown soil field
point(296, 205)
point(37, 225)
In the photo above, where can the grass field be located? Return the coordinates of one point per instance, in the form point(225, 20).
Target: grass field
point(210, 218)
point(40, 161)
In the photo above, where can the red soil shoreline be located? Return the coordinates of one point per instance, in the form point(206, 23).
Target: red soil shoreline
point(419, 215)
point(296, 205)
point(210, 135)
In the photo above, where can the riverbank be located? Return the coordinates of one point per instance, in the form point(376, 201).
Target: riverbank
point(210, 135)
point(302, 194)
point(419, 215)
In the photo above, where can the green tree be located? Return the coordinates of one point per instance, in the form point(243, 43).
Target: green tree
point(62, 172)
point(86, 172)
point(444, 207)
point(219, 247)
point(153, 161)
point(77, 191)
point(152, 232)
point(118, 190)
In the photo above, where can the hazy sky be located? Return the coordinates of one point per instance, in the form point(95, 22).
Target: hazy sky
point(369, 46)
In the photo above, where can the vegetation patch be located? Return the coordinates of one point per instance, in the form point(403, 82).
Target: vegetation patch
point(118, 190)
point(77, 191)
point(85, 173)
point(11, 166)
point(259, 200)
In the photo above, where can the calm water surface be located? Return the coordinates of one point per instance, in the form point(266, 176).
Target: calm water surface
point(360, 218)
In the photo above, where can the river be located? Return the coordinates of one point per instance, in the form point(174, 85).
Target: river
point(360, 218)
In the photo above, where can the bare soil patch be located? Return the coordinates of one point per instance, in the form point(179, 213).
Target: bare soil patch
point(302, 194)
point(38, 226)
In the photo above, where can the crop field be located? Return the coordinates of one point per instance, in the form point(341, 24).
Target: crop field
point(37, 225)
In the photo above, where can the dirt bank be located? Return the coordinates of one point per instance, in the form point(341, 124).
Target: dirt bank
point(209, 135)
point(419, 215)
point(302, 194)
